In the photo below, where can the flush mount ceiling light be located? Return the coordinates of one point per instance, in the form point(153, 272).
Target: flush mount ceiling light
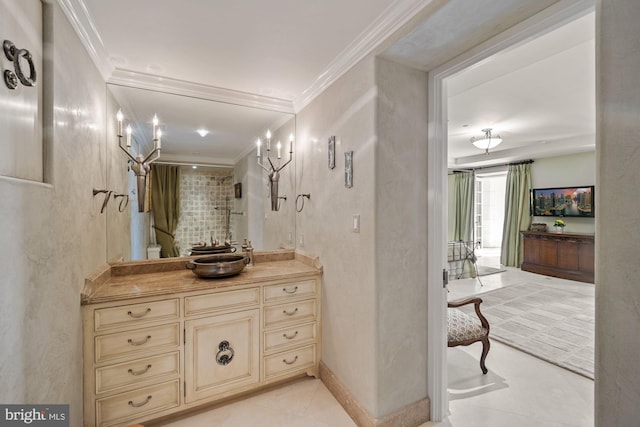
point(487, 141)
point(202, 132)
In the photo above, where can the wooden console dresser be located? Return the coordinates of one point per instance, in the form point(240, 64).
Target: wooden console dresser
point(566, 255)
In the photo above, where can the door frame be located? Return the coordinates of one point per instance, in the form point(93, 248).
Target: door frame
point(547, 20)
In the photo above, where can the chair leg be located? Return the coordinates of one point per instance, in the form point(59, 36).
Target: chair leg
point(485, 351)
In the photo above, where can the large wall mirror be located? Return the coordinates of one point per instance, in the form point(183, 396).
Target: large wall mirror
point(224, 193)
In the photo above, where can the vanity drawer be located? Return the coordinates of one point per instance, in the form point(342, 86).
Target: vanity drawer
point(290, 361)
point(293, 312)
point(292, 336)
point(221, 301)
point(131, 343)
point(137, 371)
point(290, 290)
point(132, 314)
point(135, 404)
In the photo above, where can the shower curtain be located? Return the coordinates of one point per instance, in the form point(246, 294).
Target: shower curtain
point(165, 199)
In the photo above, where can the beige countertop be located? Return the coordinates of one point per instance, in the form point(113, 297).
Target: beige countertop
point(124, 281)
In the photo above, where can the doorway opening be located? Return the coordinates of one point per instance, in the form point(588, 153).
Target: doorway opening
point(489, 218)
point(438, 160)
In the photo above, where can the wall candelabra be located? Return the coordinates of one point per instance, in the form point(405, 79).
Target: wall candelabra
point(273, 170)
point(140, 165)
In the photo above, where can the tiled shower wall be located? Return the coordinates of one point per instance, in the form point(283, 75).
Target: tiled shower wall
point(201, 190)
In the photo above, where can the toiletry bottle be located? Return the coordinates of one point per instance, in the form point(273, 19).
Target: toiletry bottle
point(250, 254)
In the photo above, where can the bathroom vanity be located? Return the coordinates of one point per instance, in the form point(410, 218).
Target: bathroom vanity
point(158, 340)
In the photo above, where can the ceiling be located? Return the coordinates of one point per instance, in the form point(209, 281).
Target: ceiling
point(279, 55)
point(539, 97)
point(254, 56)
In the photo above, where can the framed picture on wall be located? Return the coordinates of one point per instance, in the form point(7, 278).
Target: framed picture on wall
point(238, 190)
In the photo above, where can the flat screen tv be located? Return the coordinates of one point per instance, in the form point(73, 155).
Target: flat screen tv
point(563, 201)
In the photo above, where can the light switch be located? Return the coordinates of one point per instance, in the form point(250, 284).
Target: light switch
point(356, 223)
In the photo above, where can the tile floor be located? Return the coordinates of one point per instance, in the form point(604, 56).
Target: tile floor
point(518, 390)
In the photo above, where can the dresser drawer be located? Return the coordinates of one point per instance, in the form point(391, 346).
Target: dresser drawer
point(137, 341)
point(287, 313)
point(292, 336)
point(286, 291)
point(138, 371)
point(290, 362)
point(135, 404)
point(221, 301)
point(133, 314)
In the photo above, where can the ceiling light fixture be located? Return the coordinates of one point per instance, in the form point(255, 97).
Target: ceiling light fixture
point(202, 132)
point(487, 141)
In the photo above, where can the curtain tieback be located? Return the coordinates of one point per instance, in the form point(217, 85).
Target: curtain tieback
point(164, 231)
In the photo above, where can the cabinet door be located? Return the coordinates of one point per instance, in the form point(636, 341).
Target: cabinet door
point(221, 354)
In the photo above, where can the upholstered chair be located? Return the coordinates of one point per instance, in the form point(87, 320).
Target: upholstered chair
point(465, 329)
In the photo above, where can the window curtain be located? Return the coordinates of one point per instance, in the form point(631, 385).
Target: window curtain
point(463, 214)
point(517, 215)
point(165, 200)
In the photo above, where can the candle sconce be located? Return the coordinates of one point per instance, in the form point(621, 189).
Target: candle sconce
point(140, 165)
point(272, 170)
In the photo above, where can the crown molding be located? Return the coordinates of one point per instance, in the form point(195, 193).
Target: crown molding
point(391, 20)
point(197, 90)
point(78, 16)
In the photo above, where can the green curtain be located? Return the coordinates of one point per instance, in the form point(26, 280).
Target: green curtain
point(165, 200)
point(517, 215)
point(463, 215)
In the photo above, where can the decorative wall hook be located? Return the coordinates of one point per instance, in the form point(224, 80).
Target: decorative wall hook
point(123, 203)
point(14, 54)
point(107, 196)
point(304, 196)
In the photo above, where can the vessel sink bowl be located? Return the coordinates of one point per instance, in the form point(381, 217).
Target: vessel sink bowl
point(221, 265)
point(210, 250)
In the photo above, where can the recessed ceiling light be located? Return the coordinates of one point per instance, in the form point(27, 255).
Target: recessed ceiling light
point(202, 132)
point(194, 167)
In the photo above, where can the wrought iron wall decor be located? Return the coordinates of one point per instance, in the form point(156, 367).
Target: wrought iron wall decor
point(348, 169)
point(332, 152)
point(11, 78)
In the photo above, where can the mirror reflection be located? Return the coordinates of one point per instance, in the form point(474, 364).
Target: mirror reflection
point(207, 190)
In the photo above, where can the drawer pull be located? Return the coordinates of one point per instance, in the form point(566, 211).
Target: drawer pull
point(290, 337)
point(140, 372)
point(292, 362)
point(225, 354)
point(137, 343)
point(137, 316)
point(290, 313)
point(290, 292)
point(137, 405)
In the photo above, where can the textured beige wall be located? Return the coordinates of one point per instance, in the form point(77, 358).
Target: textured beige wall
point(118, 223)
point(52, 237)
point(346, 110)
point(618, 221)
point(401, 236)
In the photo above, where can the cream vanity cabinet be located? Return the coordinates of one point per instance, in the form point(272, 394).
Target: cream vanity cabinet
point(145, 358)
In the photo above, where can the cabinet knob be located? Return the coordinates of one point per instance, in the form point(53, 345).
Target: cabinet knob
point(225, 353)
